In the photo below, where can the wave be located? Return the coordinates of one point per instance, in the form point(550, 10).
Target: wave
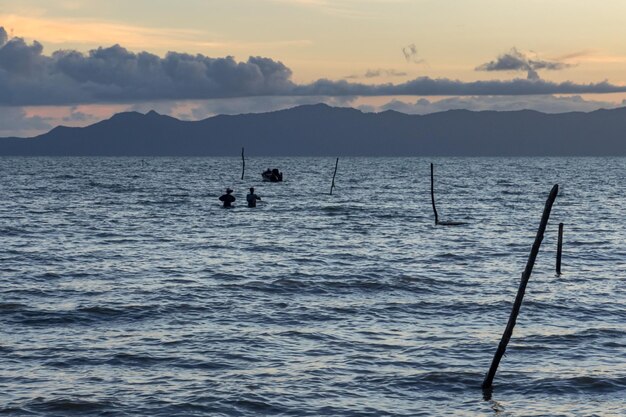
point(10, 231)
point(598, 337)
point(82, 315)
point(591, 384)
point(64, 177)
point(113, 187)
point(70, 406)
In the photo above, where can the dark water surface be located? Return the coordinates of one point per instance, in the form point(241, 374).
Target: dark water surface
point(127, 291)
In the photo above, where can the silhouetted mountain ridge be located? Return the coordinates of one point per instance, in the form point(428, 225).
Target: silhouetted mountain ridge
point(319, 129)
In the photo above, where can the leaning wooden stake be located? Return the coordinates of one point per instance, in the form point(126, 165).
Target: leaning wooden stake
point(432, 192)
point(335, 173)
point(559, 250)
point(508, 332)
point(243, 164)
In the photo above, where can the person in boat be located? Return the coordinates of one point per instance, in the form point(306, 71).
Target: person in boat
point(252, 198)
point(228, 199)
point(272, 175)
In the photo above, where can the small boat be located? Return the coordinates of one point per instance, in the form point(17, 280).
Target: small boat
point(272, 175)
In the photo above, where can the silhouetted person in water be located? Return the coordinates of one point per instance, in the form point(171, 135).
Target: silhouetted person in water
point(228, 198)
point(252, 198)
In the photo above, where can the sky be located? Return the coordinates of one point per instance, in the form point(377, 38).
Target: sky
point(75, 62)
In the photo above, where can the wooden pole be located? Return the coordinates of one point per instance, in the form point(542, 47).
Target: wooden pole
point(432, 192)
point(508, 332)
point(559, 250)
point(243, 164)
point(335, 173)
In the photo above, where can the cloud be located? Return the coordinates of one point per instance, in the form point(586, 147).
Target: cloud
point(14, 121)
point(380, 72)
point(78, 117)
point(545, 104)
point(384, 73)
point(572, 55)
point(114, 74)
point(16, 57)
point(3, 36)
point(343, 8)
point(117, 75)
point(62, 30)
point(202, 110)
point(426, 86)
point(515, 60)
point(32, 121)
point(93, 32)
point(410, 54)
point(35, 120)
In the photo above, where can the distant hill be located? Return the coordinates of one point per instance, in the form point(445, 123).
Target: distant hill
point(320, 130)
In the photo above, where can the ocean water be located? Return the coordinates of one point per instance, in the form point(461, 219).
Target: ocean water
point(126, 290)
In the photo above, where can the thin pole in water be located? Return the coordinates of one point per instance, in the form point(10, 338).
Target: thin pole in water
point(243, 164)
point(335, 173)
point(508, 332)
point(432, 191)
point(559, 250)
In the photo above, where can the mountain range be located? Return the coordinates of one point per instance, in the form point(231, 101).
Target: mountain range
point(320, 130)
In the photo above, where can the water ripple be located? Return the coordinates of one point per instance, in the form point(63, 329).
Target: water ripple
point(126, 290)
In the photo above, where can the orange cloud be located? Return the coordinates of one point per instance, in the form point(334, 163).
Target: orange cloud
point(92, 32)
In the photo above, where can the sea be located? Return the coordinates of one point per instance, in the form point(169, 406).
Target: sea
point(127, 290)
